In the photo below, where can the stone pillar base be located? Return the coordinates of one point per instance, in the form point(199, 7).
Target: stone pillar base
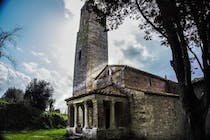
point(70, 130)
point(90, 133)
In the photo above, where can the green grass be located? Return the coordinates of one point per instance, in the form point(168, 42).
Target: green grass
point(50, 134)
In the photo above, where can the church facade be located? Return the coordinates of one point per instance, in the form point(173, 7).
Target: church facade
point(118, 101)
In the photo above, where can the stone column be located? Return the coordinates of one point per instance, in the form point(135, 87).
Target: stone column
point(75, 115)
point(86, 115)
point(112, 115)
point(69, 114)
point(95, 113)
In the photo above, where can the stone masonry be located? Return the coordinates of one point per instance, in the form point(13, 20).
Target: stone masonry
point(118, 101)
point(91, 50)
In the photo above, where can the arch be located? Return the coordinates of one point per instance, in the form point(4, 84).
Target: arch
point(90, 113)
point(80, 116)
point(119, 114)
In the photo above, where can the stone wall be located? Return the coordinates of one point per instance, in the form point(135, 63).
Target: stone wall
point(141, 80)
point(91, 53)
point(156, 116)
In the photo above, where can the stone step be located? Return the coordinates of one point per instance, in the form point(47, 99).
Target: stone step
point(74, 138)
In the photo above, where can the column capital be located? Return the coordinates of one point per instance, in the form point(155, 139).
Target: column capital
point(94, 101)
point(70, 104)
point(75, 105)
point(113, 101)
point(85, 102)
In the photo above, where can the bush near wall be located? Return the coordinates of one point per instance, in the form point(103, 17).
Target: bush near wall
point(19, 117)
point(48, 120)
point(3, 102)
point(14, 116)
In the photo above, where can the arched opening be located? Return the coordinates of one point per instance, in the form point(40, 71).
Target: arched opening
point(119, 114)
point(90, 114)
point(81, 115)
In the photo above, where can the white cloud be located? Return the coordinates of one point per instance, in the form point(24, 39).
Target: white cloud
point(19, 49)
point(30, 67)
point(41, 56)
point(67, 14)
point(62, 83)
point(73, 6)
point(125, 40)
point(11, 78)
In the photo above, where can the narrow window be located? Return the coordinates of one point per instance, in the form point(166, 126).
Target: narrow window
point(80, 54)
point(150, 82)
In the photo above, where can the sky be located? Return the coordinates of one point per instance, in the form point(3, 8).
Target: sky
point(46, 44)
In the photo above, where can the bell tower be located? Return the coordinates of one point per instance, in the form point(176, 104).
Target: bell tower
point(91, 54)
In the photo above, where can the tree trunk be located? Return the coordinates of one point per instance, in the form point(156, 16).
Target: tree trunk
point(192, 105)
point(197, 126)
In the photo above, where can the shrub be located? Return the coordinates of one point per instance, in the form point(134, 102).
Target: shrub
point(19, 117)
point(3, 102)
point(14, 117)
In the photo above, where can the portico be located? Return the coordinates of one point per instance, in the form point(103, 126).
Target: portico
point(96, 115)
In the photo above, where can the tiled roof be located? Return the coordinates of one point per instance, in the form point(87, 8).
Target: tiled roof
point(108, 90)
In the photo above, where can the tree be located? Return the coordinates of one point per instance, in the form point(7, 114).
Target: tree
point(13, 95)
point(183, 25)
point(38, 94)
point(51, 105)
point(7, 37)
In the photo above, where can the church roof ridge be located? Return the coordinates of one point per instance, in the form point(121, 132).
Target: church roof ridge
point(99, 91)
point(147, 91)
point(136, 69)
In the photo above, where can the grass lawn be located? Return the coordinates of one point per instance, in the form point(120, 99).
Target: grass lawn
point(50, 134)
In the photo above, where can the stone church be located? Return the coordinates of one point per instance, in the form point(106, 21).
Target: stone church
point(118, 101)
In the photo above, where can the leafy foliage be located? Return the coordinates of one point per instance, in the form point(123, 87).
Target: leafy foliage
point(19, 117)
point(38, 94)
point(3, 102)
point(47, 120)
point(14, 116)
point(13, 95)
point(19, 114)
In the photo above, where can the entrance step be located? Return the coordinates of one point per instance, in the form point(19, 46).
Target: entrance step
point(74, 138)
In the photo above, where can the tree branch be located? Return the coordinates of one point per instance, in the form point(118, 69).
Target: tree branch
point(196, 57)
point(13, 62)
point(147, 20)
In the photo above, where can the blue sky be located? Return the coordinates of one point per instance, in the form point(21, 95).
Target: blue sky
point(46, 44)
